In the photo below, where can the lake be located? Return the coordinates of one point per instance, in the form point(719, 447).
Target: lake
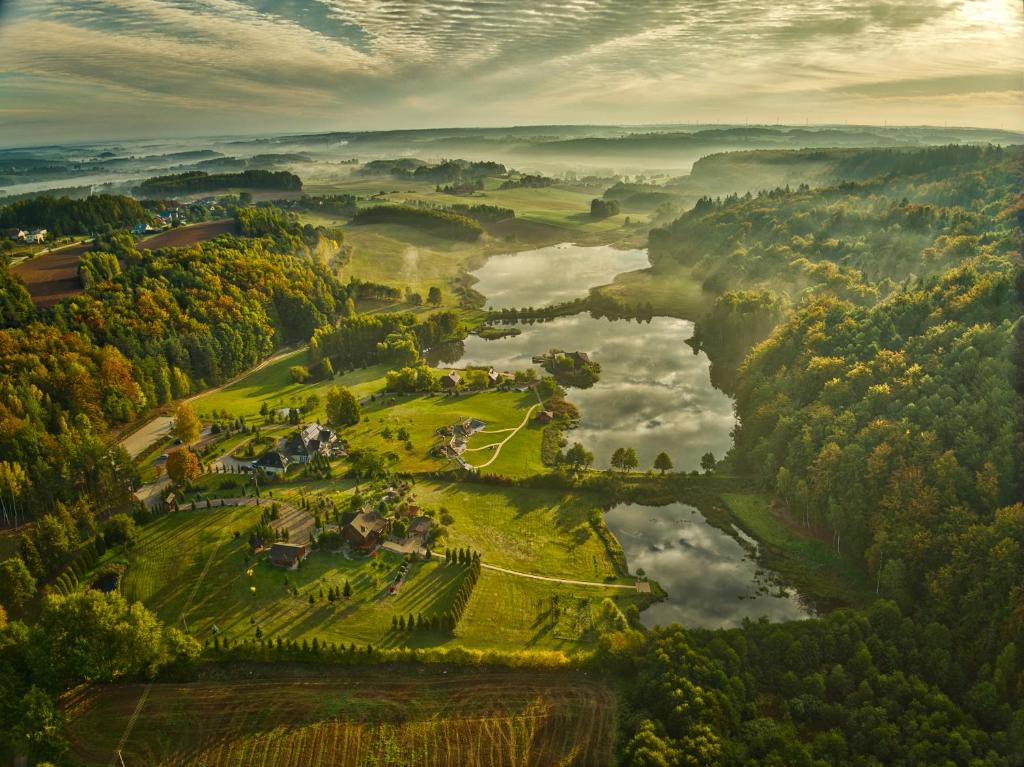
point(552, 275)
point(654, 395)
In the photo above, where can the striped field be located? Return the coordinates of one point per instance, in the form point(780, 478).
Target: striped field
point(382, 716)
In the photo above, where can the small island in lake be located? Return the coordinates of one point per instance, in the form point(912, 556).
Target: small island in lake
point(570, 368)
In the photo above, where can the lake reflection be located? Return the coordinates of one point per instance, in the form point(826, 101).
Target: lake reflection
point(711, 580)
point(552, 275)
point(654, 393)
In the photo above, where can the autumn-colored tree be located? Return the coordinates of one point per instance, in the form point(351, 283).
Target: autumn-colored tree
point(186, 424)
point(183, 466)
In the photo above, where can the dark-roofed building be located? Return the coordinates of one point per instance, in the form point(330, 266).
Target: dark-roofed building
point(366, 530)
point(581, 358)
point(493, 377)
point(451, 379)
point(310, 441)
point(287, 554)
point(272, 462)
point(545, 416)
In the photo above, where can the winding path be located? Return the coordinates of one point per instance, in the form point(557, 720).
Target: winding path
point(499, 445)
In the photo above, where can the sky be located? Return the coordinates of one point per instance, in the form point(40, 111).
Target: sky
point(115, 69)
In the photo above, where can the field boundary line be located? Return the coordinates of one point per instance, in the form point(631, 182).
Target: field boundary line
point(197, 584)
point(549, 578)
point(131, 724)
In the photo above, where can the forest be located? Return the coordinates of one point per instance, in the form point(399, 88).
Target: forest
point(200, 181)
point(63, 216)
point(871, 332)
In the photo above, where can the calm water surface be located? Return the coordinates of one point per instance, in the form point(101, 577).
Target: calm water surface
point(552, 275)
point(654, 395)
point(711, 579)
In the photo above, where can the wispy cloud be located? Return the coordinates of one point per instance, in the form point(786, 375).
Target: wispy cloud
point(136, 66)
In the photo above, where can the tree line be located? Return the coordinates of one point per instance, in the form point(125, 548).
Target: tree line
point(194, 181)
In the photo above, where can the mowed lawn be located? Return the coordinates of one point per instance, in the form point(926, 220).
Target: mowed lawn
point(194, 572)
point(422, 415)
point(191, 565)
point(322, 716)
point(534, 530)
point(273, 385)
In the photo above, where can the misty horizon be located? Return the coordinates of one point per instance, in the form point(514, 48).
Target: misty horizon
point(132, 70)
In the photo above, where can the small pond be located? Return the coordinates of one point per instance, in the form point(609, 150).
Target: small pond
point(712, 580)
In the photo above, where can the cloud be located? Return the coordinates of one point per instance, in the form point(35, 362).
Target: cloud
point(298, 64)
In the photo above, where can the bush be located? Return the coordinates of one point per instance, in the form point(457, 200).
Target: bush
point(119, 530)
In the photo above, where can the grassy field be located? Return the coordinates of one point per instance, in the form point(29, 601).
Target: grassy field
point(533, 530)
point(194, 570)
point(415, 717)
point(406, 257)
point(422, 415)
point(805, 562)
point(274, 386)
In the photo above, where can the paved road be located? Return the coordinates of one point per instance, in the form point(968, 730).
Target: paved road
point(160, 426)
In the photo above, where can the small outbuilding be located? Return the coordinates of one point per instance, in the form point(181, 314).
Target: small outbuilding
point(420, 527)
point(287, 554)
point(545, 416)
point(451, 380)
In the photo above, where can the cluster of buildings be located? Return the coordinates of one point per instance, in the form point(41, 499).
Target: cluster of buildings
point(453, 379)
point(300, 447)
point(367, 529)
point(30, 236)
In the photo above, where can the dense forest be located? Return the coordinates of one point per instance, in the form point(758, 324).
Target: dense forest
point(64, 216)
point(146, 331)
point(199, 181)
point(872, 334)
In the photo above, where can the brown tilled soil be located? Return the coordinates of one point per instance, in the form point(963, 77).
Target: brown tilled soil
point(54, 276)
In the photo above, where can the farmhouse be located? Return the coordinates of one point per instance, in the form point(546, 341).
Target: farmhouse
point(366, 530)
point(545, 416)
point(451, 380)
point(309, 442)
point(272, 462)
point(493, 377)
point(287, 554)
point(580, 358)
point(36, 236)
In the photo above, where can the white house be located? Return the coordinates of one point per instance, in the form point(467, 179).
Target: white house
point(36, 236)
